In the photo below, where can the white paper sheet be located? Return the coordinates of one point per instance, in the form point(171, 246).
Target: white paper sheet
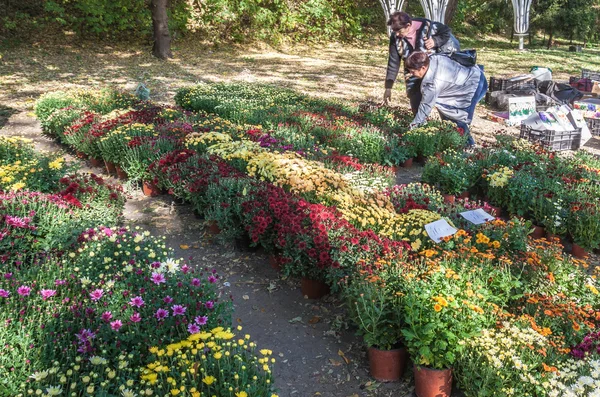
point(439, 229)
point(477, 216)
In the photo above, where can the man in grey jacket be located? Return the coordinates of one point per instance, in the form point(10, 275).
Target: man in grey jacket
point(452, 88)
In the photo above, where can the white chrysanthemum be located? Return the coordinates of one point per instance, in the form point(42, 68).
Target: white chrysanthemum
point(96, 360)
point(54, 390)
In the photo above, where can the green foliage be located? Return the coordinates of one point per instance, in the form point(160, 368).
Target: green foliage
point(221, 20)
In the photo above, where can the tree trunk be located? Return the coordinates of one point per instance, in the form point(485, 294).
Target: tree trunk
point(550, 38)
point(450, 11)
point(160, 22)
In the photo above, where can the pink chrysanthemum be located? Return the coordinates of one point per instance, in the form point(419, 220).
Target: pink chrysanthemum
point(137, 301)
point(116, 325)
point(201, 320)
point(24, 290)
point(47, 293)
point(135, 317)
point(96, 294)
point(106, 316)
point(158, 278)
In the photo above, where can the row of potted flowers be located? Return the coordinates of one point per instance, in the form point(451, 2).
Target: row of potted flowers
point(314, 239)
point(560, 195)
point(370, 134)
point(94, 309)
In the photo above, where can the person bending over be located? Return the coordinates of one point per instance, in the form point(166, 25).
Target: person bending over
point(452, 88)
point(409, 35)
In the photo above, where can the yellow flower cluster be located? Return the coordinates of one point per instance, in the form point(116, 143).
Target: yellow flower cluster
point(195, 139)
point(14, 176)
point(196, 365)
point(130, 130)
point(296, 173)
point(500, 178)
point(242, 150)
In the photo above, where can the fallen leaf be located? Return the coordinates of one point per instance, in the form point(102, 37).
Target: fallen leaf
point(245, 297)
point(184, 246)
point(239, 320)
point(341, 354)
point(295, 320)
point(335, 363)
point(314, 320)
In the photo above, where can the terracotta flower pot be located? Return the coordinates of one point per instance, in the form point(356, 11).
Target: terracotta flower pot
point(213, 228)
point(275, 262)
point(95, 162)
point(120, 173)
point(313, 289)
point(421, 159)
point(198, 215)
point(244, 244)
point(110, 168)
point(538, 232)
point(150, 189)
point(387, 365)
point(578, 251)
point(408, 163)
point(449, 198)
point(432, 382)
point(464, 195)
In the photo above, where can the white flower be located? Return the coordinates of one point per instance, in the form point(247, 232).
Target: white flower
point(171, 265)
point(54, 390)
point(39, 375)
point(96, 360)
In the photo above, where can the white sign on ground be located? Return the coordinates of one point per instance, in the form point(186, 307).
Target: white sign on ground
point(439, 229)
point(477, 216)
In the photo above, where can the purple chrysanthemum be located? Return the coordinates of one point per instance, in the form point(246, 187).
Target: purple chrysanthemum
point(179, 310)
point(161, 314)
point(201, 320)
point(193, 329)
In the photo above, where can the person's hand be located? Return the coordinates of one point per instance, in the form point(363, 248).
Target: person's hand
point(387, 96)
point(429, 43)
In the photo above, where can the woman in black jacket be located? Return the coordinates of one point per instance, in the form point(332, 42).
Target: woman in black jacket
point(409, 35)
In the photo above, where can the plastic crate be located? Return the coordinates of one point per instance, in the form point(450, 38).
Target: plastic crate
point(590, 74)
point(594, 126)
point(497, 84)
point(582, 84)
point(554, 140)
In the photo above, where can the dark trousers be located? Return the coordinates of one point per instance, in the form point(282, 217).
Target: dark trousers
point(413, 91)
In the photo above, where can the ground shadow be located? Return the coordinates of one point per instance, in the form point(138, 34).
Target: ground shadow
point(5, 113)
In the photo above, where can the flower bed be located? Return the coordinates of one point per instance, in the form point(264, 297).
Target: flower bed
point(86, 306)
point(301, 123)
point(365, 238)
